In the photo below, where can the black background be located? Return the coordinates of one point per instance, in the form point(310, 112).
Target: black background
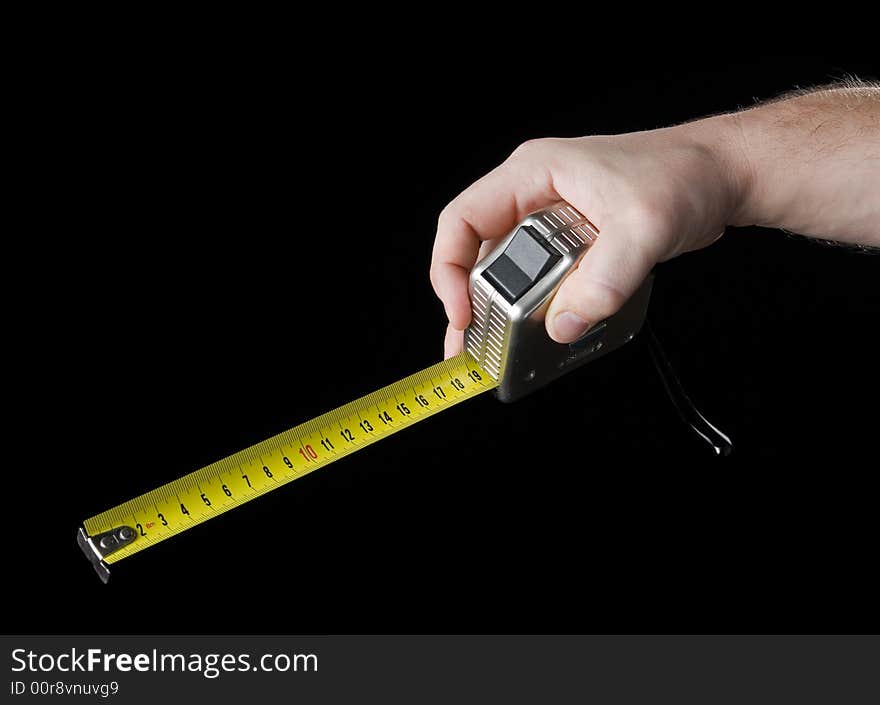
point(248, 248)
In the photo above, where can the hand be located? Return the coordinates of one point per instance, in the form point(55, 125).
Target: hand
point(809, 163)
point(653, 195)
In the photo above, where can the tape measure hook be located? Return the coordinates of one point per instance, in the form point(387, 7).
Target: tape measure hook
point(97, 548)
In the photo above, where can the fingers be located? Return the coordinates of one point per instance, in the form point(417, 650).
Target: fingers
point(486, 210)
point(607, 276)
point(451, 286)
point(454, 342)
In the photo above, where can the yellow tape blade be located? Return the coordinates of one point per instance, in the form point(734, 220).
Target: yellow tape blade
point(239, 478)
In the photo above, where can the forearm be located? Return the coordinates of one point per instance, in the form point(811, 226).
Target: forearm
point(809, 164)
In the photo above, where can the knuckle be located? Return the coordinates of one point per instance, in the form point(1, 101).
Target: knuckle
point(530, 148)
point(453, 215)
point(594, 300)
point(446, 215)
point(435, 278)
point(604, 299)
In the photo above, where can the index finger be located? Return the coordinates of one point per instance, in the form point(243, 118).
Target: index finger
point(488, 209)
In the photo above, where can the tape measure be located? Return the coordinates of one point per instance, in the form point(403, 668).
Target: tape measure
point(506, 348)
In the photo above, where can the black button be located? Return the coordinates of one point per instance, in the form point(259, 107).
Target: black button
point(526, 259)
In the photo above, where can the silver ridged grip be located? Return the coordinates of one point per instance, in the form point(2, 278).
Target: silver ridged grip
point(486, 338)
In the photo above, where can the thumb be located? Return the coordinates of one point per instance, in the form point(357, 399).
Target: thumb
point(608, 274)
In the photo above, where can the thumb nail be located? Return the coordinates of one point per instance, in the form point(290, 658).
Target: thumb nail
point(568, 326)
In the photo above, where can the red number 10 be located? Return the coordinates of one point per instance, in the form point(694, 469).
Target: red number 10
point(309, 453)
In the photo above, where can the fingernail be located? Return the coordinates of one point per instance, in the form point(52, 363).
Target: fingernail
point(569, 326)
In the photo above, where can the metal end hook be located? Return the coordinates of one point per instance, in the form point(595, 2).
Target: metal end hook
point(97, 547)
point(705, 429)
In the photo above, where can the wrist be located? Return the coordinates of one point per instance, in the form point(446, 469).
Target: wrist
point(724, 139)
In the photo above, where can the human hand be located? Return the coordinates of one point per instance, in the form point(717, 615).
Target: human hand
point(653, 195)
point(809, 163)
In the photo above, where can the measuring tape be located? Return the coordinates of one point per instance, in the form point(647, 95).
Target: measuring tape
point(195, 498)
point(506, 348)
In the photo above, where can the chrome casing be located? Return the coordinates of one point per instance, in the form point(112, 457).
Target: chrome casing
point(509, 341)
